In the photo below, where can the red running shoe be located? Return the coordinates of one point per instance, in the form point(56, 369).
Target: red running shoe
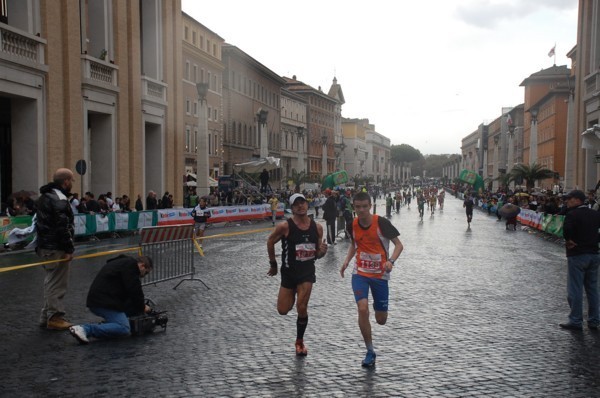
point(301, 348)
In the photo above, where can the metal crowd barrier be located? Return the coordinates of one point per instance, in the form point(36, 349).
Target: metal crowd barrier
point(172, 251)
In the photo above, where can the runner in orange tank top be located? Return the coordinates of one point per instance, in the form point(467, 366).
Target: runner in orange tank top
point(372, 266)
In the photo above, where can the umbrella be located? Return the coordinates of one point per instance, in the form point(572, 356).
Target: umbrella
point(22, 194)
point(509, 210)
point(539, 194)
point(522, 194)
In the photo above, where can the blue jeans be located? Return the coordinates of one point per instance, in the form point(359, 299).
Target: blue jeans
point(116, 324)
point(583, 273)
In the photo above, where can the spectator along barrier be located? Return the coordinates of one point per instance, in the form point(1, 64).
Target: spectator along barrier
point(549, 223)
point(92, 224)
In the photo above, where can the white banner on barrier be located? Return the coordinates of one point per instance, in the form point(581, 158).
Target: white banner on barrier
point(101, 223)
point(145, 220)
point(121, 221)
point(80, 223)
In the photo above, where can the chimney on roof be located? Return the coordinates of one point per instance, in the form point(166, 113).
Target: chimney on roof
point(294, 77)
point(320, 88)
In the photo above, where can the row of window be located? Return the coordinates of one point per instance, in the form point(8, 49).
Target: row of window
point(191, 142)
point(199, 41)
point(253, 89)
point(191, 73)
point(322, 103)
point(212, 113)
point(545, 133)
point(547, 162)
point(315, 166)
point(321, 118)
point(247, 136)
point(299, 117)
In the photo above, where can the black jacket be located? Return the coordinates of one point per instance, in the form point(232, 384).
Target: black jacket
point(330, 209)
point(118, 287)
point(581, 226)
point(151, 203)
point(55, 220)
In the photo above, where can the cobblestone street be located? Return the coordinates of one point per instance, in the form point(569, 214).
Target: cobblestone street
point(472, 313)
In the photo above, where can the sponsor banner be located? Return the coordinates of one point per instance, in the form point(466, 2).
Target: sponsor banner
point(553, 224)
point(7, 224)
point(174, 216)
point(219, 214)
point(530, 218)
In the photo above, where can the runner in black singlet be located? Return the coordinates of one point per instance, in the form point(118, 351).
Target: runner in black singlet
point(301, 241)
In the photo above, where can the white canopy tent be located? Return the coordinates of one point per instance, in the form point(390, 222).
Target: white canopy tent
point(258, 165)
point(211, 181)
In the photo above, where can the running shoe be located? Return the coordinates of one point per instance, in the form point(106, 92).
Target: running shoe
point(301, 348)
point(369, 359)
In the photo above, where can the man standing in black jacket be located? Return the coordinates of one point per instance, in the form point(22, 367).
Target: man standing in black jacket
point(55, 230)
point(580, 230)
point(115, 294)
point(330, 215)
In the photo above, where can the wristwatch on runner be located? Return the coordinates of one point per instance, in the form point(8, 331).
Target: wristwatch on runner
point(392, 261)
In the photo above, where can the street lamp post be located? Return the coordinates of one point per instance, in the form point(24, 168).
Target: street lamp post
point(324, 138)
point(202, 186)
point(533, 138)
point(511, 146)
point(300, 147)
point(261, 118)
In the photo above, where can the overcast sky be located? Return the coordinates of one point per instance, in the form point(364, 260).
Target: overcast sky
point(426, 73)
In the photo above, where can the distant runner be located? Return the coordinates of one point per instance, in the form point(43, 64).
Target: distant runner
point(468, 205)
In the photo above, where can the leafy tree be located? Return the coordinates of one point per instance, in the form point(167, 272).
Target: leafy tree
point(434, 164)
point(404, 153)
point(530, 174)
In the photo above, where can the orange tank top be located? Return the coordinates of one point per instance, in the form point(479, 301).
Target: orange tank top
point(371, 250)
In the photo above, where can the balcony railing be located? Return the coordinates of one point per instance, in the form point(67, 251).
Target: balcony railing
point(96, 71)
point(153, 89)
point(21, 45)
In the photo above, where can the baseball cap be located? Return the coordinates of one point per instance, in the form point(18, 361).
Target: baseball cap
point(577, 194)
point(296, 196)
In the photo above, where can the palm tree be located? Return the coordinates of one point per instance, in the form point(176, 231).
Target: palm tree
point(298, 178)
point(530, 173)
point(503, 180)
point(488, 183)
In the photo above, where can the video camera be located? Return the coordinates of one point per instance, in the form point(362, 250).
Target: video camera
point(146, 323)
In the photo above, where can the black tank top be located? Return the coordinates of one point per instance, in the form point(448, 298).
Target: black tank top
point(299, 249)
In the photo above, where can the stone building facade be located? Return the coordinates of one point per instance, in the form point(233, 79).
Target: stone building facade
point(98, 81)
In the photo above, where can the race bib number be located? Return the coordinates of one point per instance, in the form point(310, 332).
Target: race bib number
point(369, 263)
point(306, 251)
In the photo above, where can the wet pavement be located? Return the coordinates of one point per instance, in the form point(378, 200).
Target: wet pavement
point(473, 313)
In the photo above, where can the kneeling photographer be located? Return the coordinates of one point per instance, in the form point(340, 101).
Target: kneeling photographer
point(116, 293)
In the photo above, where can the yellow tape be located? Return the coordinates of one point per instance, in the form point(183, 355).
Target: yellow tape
point(129, 249)
point(99, 254)
point(198, 247)
point(236, 233)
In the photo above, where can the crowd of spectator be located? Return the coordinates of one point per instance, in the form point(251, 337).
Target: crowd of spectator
point(540, 201)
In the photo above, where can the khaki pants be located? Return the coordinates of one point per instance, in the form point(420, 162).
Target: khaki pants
point(55, 283)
